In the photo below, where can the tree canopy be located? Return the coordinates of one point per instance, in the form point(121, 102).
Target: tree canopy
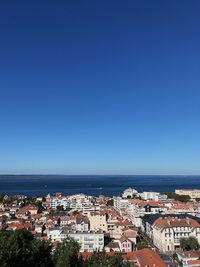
point(103, 260)
point(142, 245)
point(110, 202)
point(20, 249)
point(66, 254)
point(190, 243)
point(182, 198)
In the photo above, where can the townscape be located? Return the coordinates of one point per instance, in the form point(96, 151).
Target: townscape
point(146, 229)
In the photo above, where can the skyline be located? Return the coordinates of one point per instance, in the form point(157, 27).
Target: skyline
point(100, 88)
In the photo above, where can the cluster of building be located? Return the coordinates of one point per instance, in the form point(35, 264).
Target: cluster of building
point(166, 231)
point(96, 226)
point(86, 219)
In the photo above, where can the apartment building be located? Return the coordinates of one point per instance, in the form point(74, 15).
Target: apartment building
point(98, 221)
point(153, 196)
point(168, 231)
point(135, 209)
point(120, 203)
point(59, 201)
point(89, 241)
point(82, 223)
point(84, 204)
point(78, 202)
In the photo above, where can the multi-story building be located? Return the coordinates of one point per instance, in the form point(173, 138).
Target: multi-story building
point(120, 203)
point(153, 196)
point(134, 209)
point(78, 202)
point(82, 203)
point(98, 221)
point(89, 241)
point(168, 231)
point(59, 201)
point(82, 223)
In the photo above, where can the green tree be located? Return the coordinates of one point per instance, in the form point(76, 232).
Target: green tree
point(60, 208)
point(1, 198)
point(66, 254)
point(182, 198)
point(141, 245)
point(190, 243)
point(19, 249)
point(110, 202)
point(9, 199)
point(101, 259)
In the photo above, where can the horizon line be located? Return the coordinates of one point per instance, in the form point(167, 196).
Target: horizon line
point(54, 174)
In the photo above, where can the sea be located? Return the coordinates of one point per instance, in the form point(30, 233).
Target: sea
point(108, 185)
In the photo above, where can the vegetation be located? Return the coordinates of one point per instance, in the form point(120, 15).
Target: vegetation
point(7, 199)
point(66, 255)
point(142, 245)
point(190, 243)
point(110, 202)
point(103, 260)
point(60, 208)
point(1, 198)
point(175, 258)
point(174, 196)
point(19, 249)
point(134, 197)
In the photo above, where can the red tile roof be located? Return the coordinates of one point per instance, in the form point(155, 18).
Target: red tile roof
point(145, 257)
point(170, 222)
point(194, 262)
point(150, 258)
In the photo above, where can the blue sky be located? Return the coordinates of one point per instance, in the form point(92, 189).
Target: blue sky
point(100, 87)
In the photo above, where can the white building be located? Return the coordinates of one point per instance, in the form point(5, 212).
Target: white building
point(120, 203)
point(152, 196)
point(82, 223)
point(129, 193)
point(78, 202)
point(59, 201)
point(89, 241)
point(168, 231)
point(83, 203)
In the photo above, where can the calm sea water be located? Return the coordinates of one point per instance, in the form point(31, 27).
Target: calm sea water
point(33, 185)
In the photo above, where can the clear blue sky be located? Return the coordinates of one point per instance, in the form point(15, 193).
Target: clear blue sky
point(100, 87)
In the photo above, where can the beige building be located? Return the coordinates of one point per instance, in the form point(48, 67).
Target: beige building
point(167, 232)
point(118, 228)
point(126, 242)
point(193, 193)
point(98, 221)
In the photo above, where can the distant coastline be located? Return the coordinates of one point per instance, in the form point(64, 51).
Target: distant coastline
point(94, 184)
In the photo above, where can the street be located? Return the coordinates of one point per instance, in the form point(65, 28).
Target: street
point(165, 257)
